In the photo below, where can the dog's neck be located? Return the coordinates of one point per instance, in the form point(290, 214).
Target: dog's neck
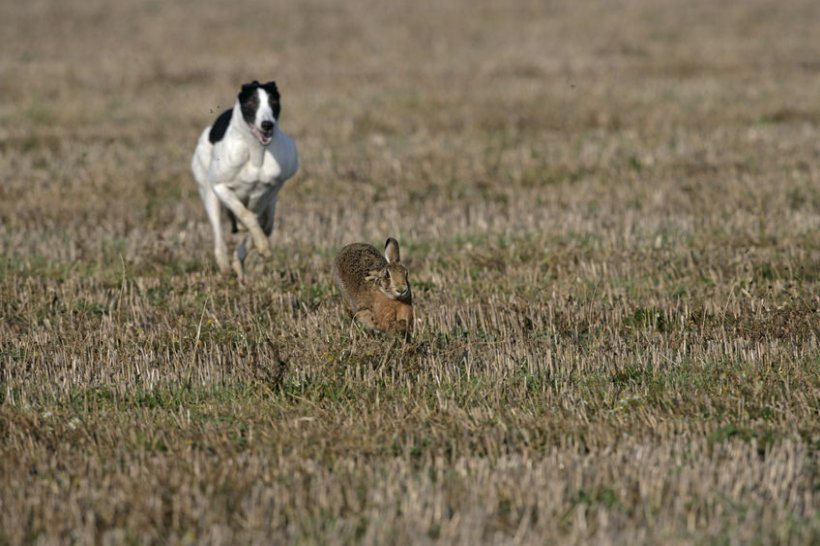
point(255, 148)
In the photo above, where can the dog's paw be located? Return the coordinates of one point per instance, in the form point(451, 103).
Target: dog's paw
point(264, 249)
point(223, 264)
point(239, 270)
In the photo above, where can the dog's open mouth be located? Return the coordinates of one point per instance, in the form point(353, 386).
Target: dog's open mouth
point(262, 136)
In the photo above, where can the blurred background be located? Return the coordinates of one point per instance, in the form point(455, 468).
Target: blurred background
point(413, 105)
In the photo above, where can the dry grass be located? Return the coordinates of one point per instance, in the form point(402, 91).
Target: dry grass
point(610, 211)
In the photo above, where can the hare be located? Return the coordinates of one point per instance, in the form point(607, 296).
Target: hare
point(375, 288)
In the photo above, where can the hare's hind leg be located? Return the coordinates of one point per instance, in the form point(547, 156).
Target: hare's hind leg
point(367, 318)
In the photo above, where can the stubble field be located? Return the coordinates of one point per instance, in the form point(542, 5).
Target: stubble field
point(611, 216)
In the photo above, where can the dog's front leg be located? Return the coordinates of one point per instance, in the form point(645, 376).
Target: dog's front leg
point(214, 209)
point(260, 240)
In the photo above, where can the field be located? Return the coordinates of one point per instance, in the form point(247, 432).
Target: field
point(611, 215)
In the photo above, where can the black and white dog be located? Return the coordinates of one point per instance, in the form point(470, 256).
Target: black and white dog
point(240, 164)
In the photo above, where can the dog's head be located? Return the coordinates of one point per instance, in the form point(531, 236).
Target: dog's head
point(260, 109)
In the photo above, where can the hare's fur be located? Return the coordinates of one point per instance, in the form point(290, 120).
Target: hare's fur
point(375, 288)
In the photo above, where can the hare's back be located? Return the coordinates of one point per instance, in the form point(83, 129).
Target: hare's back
point(358, 259)
point(351, 267)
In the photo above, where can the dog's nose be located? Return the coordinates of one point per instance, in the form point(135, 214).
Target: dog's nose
point(267, 125)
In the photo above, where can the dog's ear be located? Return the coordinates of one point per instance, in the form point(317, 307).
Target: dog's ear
point(271, 88)
point(247, 90)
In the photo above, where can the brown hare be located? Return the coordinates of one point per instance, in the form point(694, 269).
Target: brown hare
point(375, 288)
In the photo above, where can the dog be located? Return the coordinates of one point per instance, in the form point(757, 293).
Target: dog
point(240, 164)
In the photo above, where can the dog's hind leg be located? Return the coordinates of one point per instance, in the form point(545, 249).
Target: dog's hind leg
point(266, 218)
point(245, 245)
point(239, 258)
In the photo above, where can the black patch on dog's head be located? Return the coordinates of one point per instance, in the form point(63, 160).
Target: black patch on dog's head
point(249, 101)
point(220, 126)
point(273, 98)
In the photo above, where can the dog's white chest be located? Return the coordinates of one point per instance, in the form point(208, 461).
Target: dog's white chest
point(264, 170)
point(253, 173)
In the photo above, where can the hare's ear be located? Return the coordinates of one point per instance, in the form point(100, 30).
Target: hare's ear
point(373, 276)
point(391, 250)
